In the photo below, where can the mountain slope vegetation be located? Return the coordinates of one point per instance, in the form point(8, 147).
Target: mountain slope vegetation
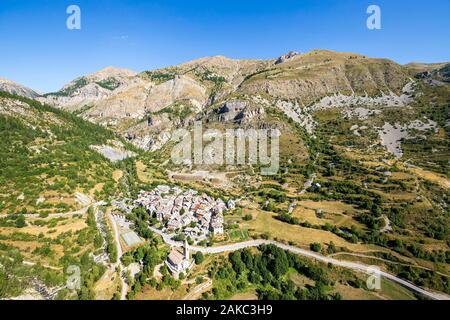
point(363, 165)
point(47, 156)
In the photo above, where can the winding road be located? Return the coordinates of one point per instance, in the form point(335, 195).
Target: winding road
point(387, 261)
point(198, 290)
point(345, 264)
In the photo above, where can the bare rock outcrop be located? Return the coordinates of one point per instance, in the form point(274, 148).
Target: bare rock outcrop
point(286, 57)
point(177, 89)
point(239, 111)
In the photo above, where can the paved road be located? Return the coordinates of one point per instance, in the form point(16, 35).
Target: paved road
point(123, 294)
point(306, 253)
point(167, 238)
point(198, 290)
point(385, 260)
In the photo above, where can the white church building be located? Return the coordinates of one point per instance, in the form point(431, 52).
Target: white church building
point(179, 260)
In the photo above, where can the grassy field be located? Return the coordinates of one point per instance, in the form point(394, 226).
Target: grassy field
point(150, 293)
point(265, 222)
point(249, 294)
point(389, 291)
point(56, 235)
point(47, 246)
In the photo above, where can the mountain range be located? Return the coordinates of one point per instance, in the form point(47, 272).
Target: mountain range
point(139, 104)
point(364, 166)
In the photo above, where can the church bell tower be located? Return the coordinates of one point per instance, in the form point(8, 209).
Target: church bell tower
point(186, 250)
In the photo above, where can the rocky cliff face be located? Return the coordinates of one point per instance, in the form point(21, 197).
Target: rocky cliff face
point(436, 77)
point(239, 111)
point(288, 56)
point(126, 102)
point(181, 88)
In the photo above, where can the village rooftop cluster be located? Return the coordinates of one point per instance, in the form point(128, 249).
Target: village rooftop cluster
point(196, 215)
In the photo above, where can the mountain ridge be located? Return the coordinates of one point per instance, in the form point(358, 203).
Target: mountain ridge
point(143, 106)
point(109, 71)
point(12, 87)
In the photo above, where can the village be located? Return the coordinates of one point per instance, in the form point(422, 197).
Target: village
point(176, 213)
point(196, 215)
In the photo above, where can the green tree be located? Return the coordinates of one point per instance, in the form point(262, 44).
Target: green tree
point(20, 221)
point(198, 257)
point(316, 247)
point(236, 261)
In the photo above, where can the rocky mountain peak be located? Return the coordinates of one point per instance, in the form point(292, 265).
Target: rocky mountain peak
point(111, 72)
point(287, 56)
point(15, 88)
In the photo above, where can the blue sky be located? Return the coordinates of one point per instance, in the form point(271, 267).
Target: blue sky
point(37, 50)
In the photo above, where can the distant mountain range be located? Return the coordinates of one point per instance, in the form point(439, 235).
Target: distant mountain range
point(138, 103)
